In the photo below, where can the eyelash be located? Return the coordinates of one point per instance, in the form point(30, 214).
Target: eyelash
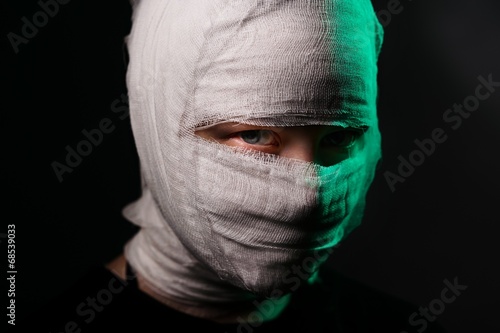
point(271, 135)
point(353, 136)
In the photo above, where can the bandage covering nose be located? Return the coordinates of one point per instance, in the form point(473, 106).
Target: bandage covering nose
point(223, 224)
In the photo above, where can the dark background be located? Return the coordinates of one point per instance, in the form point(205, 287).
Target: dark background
point(441, 223)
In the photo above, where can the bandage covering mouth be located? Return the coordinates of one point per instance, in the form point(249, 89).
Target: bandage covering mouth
point(220, 224)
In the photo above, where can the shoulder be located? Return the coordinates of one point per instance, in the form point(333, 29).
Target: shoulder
point(100, 301)
point(79, 305)
point(364, 308)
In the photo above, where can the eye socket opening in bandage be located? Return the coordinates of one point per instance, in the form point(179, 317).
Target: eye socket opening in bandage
point(278, 143)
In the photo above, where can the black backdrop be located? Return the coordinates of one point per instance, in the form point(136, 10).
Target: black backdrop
point(66, 78)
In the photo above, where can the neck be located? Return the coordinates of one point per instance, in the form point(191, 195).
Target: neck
point(220, 312)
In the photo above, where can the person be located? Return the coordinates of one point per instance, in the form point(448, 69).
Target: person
point(256, 127)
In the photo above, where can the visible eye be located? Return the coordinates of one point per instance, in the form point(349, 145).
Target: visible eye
point(258, 137)
point(341, 139)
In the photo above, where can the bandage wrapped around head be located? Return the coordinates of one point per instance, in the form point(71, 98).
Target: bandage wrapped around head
point(219, 223)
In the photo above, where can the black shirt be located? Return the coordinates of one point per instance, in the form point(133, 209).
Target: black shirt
point(102, 302)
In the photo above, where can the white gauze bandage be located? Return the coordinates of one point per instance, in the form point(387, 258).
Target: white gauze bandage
point(217, 223)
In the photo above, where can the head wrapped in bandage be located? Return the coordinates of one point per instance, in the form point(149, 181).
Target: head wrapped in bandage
point(219, 223)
